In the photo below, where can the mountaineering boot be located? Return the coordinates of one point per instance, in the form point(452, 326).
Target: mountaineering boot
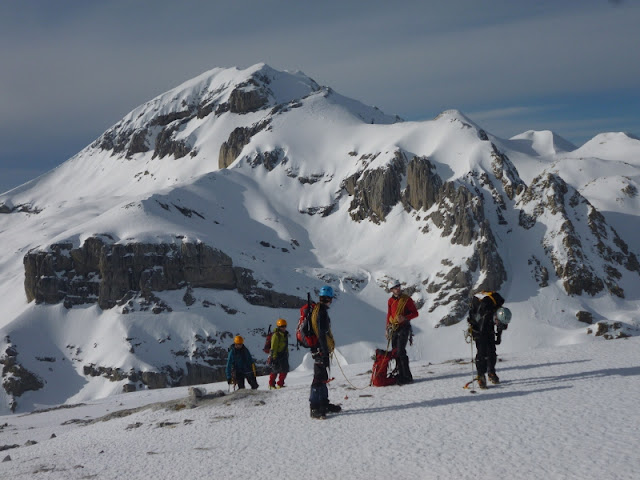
point(333, 408)
point(493, 378)
point(482, 382)
point(272, 387)
point(318, 414)
point(404, 373)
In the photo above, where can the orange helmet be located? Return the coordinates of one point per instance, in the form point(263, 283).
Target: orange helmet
point(281, 322)
point(238, 340)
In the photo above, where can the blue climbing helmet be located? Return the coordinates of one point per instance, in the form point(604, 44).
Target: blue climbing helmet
point(327, 291)
point(504, 315)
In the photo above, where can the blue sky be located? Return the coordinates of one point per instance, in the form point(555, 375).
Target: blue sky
point(71, 69)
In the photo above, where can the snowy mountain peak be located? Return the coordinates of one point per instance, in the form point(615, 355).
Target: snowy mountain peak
point(617, 146)
point(453, 115)
point(213, 209)
point(542, 143)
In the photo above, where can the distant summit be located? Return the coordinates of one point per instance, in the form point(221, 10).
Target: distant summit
point(543, 143)
point(613, 145)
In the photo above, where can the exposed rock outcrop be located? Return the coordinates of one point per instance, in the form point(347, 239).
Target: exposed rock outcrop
point(454, 209)
point(106, 273)
point(238, 139)
point(423, 184)
point(377, 190)
point(245, 99)
point(16, 379)
point(580, 226)
point(458, 213)
point(163, 130)
point(268, 159)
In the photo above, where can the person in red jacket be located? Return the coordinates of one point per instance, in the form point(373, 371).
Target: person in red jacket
point(401, 310)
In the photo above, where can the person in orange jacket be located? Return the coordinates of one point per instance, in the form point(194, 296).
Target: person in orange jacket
point(400, 311)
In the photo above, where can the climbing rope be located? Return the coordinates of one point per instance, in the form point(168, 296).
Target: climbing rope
point(345, 377)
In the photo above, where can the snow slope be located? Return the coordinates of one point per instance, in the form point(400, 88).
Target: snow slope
point(565, 412)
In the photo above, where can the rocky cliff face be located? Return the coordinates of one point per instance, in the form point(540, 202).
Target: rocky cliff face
point(16, 379)
point(451, 207)
point(128, 277)
point(581, 229)
point(105, 273)
point(164, 132)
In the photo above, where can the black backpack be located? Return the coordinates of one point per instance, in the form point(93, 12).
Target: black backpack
point(474, 305)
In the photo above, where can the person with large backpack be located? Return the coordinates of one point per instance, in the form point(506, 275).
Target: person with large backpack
point(400, 311)
point(279, 354)
point(240, 365)
point(322, 350)
point(487, 319)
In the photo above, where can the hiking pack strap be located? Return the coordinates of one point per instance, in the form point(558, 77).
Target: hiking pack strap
point(490, 295)
point(314, 325)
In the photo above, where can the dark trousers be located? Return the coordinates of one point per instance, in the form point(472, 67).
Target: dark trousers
point(251, 378)
point(486, 357)
point(319, 395)
point(399, 342)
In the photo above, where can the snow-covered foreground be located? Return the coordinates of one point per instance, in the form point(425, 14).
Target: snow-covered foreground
point(563, 412)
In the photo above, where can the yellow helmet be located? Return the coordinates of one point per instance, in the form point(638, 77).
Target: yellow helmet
point(281, 322)
point(238, 340)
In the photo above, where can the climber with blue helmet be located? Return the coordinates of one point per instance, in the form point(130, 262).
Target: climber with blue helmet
point(321, 324)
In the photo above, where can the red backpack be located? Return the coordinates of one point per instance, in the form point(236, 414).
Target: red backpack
point(267, 341)
point(380, 375)
point(304, 331)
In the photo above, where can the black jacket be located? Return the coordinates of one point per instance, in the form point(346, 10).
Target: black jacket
point(324, 326)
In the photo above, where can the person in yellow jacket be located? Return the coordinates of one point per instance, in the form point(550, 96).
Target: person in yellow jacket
point(279, 357)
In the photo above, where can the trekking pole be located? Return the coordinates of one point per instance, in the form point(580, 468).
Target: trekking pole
point(469, 338)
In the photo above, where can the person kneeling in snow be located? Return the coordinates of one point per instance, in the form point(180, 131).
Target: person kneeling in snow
point(240, 365)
